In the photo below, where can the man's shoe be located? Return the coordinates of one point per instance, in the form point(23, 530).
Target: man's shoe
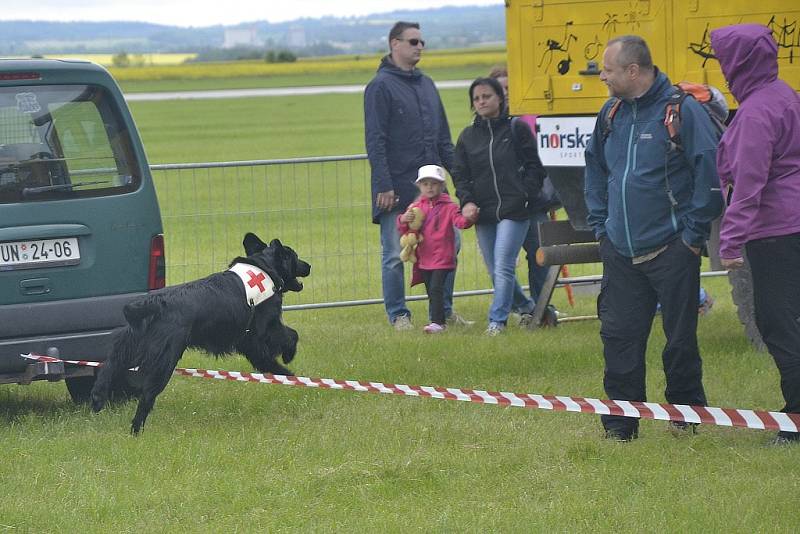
point(621, 436)
point(495, 329)
point(457, 320)
point(402, 322)
point(785, 438)
point(550, 318)
point(434, 328)
point(682, 428)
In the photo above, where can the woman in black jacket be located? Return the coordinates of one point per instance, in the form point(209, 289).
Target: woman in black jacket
point(496, 176)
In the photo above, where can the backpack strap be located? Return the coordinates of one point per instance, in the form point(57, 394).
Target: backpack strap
point(609, 118)
point(672, 118)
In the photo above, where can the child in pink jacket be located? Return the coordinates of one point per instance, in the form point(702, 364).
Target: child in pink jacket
point(436, 254)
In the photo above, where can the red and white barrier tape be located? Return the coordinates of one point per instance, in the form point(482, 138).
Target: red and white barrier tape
point(762, 420)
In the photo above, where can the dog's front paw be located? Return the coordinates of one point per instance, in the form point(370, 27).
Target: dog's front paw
point(98, 402)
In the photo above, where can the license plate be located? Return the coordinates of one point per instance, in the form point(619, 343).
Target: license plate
point(39, 253)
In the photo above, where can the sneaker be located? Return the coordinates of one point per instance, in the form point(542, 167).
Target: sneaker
point(621, 436)
point(707, 304)
point(682, 428)
point(402, 322)
point(495, 329)
point(525, 320)
point(457, 320)
point(434, 328)
point(785, 438)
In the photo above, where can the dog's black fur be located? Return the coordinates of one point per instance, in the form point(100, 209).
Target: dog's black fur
point(209, 314)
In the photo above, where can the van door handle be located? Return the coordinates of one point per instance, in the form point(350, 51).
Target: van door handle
point(35, 286)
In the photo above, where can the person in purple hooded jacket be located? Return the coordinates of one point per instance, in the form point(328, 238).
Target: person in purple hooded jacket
point(759, 166)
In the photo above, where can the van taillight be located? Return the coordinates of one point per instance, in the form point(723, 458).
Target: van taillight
point(157, 275)
point(8, 76)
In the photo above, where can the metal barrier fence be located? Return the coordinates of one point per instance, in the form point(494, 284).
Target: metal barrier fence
point(320, 206)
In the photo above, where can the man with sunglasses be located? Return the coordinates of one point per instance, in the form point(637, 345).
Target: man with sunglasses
point(405, 128)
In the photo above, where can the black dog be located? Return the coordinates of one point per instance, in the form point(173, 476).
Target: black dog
point(221, 314)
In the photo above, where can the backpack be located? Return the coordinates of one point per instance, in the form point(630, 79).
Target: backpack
point(548, 197)
point(712, 100)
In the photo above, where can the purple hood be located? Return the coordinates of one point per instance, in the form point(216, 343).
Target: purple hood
point(748, 56)
point(759, 154)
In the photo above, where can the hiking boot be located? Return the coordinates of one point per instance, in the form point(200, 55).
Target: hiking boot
point(682, 428)
point(457, 320)
point(402, 322)
point(495, 329)
point(434, 328)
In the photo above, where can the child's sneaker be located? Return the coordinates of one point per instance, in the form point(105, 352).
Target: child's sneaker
point(434, 328)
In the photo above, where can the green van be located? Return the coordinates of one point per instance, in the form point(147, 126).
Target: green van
point(80, 229)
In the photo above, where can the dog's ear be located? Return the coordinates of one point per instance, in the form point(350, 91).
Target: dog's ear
point(252, 244)
point(276, 244)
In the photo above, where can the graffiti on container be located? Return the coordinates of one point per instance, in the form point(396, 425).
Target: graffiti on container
point(561, 48)
point(703, 48)
point(787, 37)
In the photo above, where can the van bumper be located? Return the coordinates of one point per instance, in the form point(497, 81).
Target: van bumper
point(76, 329)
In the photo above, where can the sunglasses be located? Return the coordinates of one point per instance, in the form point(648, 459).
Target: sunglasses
point(414, 41)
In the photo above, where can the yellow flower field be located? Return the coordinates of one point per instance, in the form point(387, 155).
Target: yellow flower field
point(327, 65)
point(146, 59)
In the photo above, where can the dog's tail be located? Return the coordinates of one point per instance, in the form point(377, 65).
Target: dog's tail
point(137, 311)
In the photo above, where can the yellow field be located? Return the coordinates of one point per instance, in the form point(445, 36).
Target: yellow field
point(327, 65)
point(143, 59)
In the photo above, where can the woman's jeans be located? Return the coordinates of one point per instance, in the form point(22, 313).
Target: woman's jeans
point(500, 244)
point(394, 292)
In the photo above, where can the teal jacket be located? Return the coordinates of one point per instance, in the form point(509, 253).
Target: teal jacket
point(630, 172)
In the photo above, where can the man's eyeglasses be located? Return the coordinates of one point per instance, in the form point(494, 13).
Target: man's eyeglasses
point(413, 42)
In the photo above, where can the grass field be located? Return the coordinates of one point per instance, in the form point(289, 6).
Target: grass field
point(252, 458)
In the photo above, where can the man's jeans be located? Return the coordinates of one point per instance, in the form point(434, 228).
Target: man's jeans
point(500, 244)
point(392, 272)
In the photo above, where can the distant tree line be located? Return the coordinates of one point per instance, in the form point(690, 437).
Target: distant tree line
point(240, 53)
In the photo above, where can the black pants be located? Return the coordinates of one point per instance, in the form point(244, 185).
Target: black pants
point(434, 286)
point(775, 264)
point(627, 305)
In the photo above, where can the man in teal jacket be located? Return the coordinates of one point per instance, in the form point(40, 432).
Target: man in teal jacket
point(651, 205)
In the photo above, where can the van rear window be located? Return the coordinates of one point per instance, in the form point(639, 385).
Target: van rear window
point(63, 141)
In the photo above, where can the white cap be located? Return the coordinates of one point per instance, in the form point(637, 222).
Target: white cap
point(433, 172)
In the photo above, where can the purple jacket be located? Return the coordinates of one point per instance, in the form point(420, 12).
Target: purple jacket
point(759, 154)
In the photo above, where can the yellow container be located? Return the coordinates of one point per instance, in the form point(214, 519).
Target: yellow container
point(555, 47)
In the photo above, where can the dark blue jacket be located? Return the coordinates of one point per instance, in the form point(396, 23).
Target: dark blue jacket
point(627, 174)
point(405, 127)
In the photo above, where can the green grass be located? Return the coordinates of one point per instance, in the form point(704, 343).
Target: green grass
point(227, 456)
point(221, 456)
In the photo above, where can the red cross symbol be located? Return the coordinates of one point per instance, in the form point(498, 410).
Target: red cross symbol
point(255, 280)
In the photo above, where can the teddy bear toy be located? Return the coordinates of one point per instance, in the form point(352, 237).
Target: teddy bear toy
point(411, 239)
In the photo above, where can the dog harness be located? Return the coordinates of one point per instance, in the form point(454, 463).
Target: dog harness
point(258, 286)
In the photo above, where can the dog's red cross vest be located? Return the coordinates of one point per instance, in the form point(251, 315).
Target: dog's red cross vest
point(258, 286)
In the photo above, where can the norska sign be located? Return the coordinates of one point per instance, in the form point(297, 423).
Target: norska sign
point(562, 140)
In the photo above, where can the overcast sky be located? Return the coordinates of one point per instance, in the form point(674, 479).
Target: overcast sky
point(208, 12)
